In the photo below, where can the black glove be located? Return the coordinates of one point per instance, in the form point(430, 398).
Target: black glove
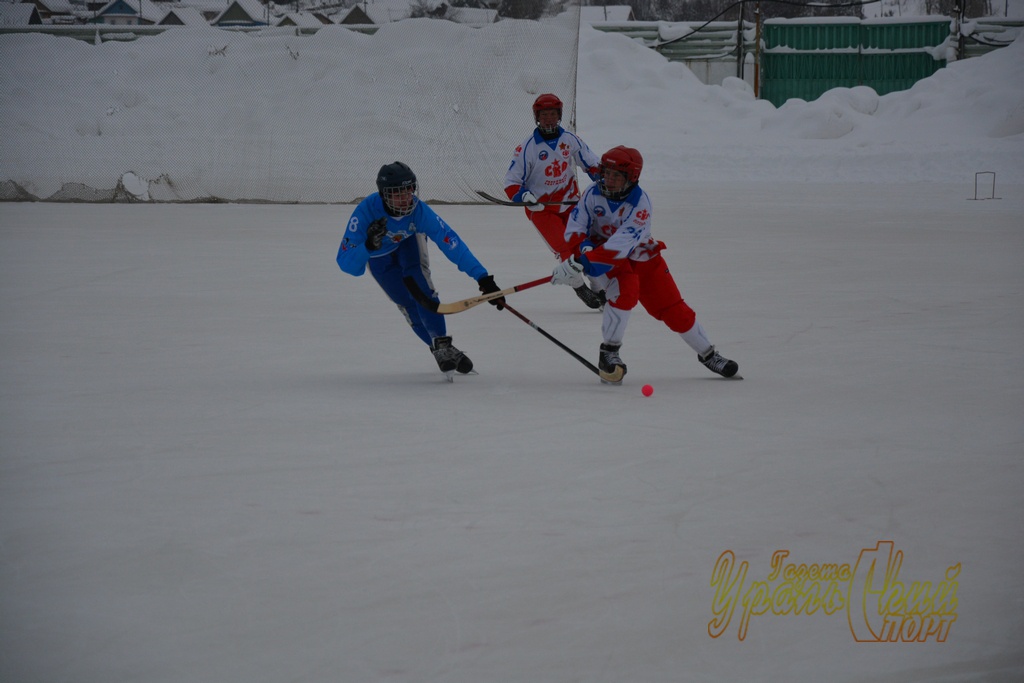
point(487, 286)
point(375, 234)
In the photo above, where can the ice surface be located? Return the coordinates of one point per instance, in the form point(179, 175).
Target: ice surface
point(221, 459)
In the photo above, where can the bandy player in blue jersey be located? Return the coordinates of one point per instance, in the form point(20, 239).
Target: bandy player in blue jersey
point(610, 234)
point(388, 232)
point(543, 169)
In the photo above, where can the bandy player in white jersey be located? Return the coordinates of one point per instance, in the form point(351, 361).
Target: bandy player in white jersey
point(610, 232)
point(543, 169)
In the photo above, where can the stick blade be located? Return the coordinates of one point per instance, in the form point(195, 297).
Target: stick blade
point(612, 377)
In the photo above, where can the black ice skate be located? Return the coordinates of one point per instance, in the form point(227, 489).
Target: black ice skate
point(611, 367)
point(449, 359)
point(588, 296)
point(718, 364)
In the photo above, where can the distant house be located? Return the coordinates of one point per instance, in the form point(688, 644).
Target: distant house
point(54, 11)
point(208, 8)
point(596, 14)
point(19, 14)
point(356, 16)
point(303, 20)
point(242, 14)
point(129, 13)
point(385, 11)
point(377, 12)
point(183, 16)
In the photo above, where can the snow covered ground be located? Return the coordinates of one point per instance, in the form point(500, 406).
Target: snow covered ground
point(221, 459)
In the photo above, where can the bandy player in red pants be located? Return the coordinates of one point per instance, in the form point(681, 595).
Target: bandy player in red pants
point(610, 230)
point(543, 169)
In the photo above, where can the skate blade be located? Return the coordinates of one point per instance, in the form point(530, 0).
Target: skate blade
point(450, 376)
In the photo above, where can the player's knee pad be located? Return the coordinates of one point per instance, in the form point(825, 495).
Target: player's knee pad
point(679, 316)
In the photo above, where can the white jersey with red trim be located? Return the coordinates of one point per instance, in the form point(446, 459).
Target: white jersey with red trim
point(547, 168)
point(619, 229)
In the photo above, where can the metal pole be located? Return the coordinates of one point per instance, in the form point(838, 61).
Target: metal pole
point(757, 49)
point(960, 42)
point(739, 42)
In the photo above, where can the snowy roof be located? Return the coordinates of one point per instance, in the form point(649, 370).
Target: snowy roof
point(240, 12)
point(188, 16)
point(144, 9)
point(472, 16)
point(384, 11)
point(57, 6)
point(300, 19)
point(215, 6)
point(20, 14)
point(595, 14)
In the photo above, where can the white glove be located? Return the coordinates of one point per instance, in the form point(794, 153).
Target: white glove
point(531, 201)
point(568, 272)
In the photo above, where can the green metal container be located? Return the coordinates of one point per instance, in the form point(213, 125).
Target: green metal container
point(888, 73)
point(886, 36)
point(811, 36)
point(806, 58)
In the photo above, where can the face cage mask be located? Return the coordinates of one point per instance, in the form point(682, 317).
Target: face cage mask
point(621, 194)
point(549, 130)
point(388, 194)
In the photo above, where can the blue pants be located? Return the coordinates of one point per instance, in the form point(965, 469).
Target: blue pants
point(410, 260)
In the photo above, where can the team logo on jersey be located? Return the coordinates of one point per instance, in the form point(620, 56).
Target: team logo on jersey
point(642, 215)
point(556, 168)
point(451, 241)
point(599, 211)
point(543, 156)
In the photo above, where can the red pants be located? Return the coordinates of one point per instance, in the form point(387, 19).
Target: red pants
point(651, 283)
point(551, 226)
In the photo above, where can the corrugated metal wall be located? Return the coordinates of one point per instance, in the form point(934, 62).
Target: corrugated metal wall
point(804, 58)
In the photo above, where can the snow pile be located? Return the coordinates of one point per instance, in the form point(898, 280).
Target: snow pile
point(198, 112)
point(966, 117)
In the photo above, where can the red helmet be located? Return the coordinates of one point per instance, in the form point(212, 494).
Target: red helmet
point(625, 160)
point(547, 101)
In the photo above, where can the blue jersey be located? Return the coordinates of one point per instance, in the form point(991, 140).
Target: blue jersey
point(353, 254)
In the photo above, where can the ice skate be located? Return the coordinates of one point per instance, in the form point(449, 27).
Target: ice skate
point(449, 359)
point(718, 364)
point(611, 367)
